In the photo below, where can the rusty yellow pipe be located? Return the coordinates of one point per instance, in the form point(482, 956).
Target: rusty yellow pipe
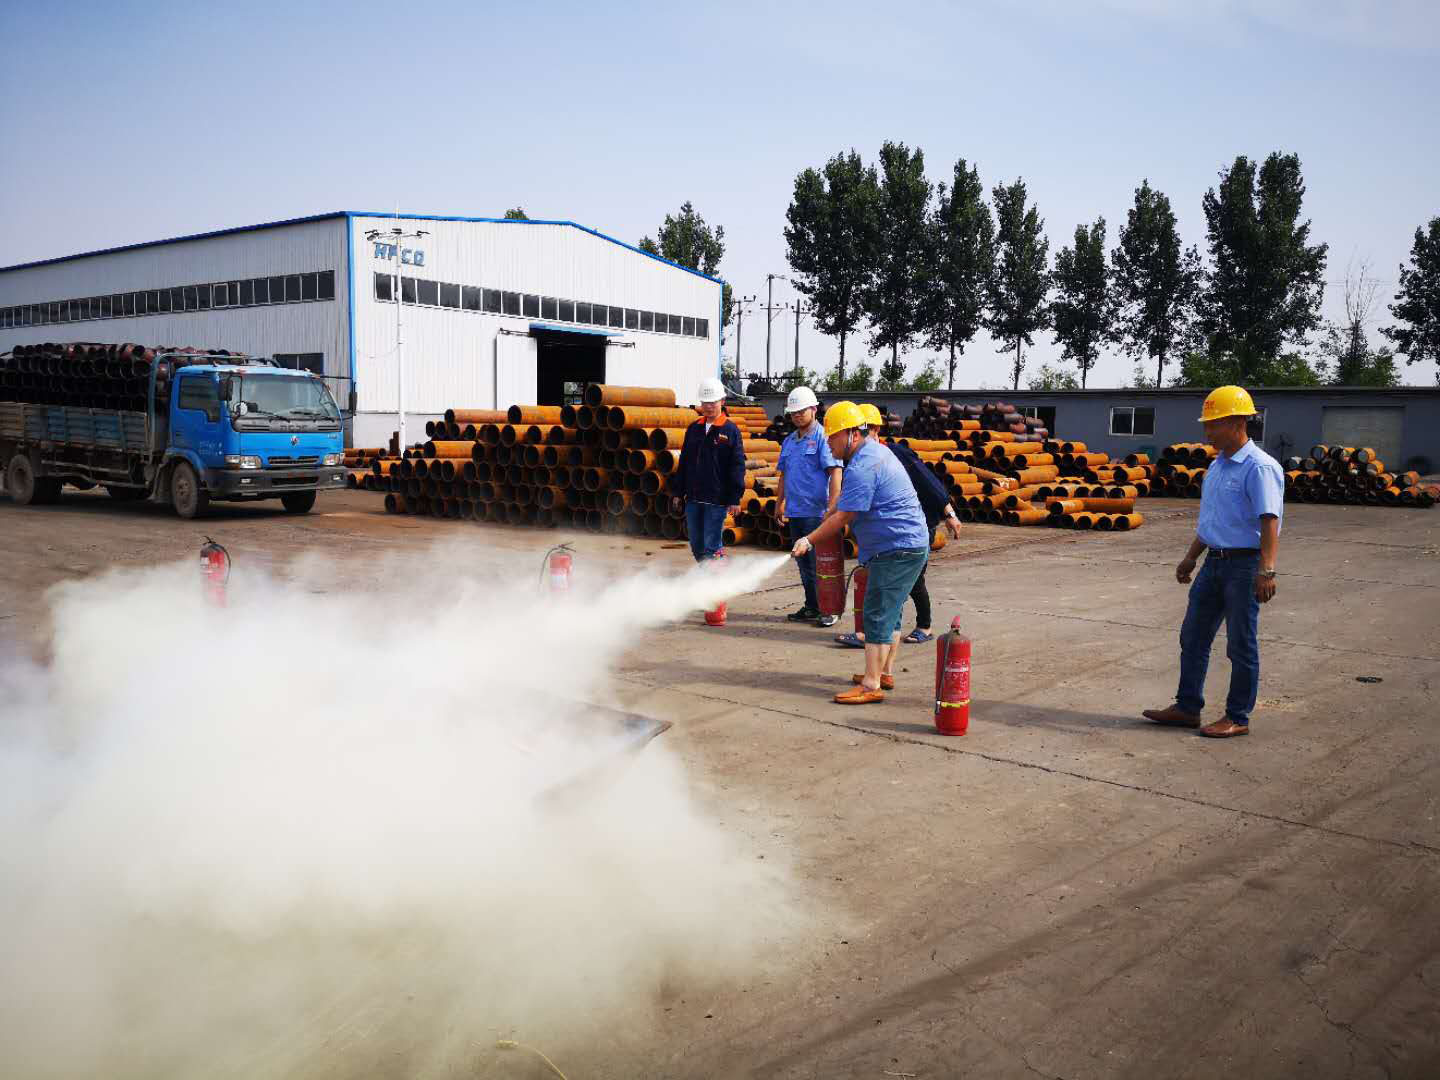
point(607, 394)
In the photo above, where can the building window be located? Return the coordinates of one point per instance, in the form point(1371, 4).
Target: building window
point(582, 312)
point(449, 295)
point(687, 326)
point(407, 290)
point(203, 295)
point(427, 293)
point(647, 321)
point(492, 301)
point(1255, 428)
point(567, 310)
point(530, 306)
point(222, 294)
point(632, 319)
point(1137, 421)
point(549, 308)
point(247, 293)
point(674, 324)
point(617, 318)
point(310, 361)
point(511, 302)
point(309, 286)
point(470, 297)
point(702, 328)
point(155, 300)
point(327, 284)
point(292, 288)
point(385, 288)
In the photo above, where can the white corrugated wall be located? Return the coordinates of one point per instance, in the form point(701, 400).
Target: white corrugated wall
point(449, 355)
point(305, 327)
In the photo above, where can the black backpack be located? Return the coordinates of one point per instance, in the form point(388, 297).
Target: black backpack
point(933, 497)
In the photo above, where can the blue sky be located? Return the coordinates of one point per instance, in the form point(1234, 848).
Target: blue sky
point(129, 122)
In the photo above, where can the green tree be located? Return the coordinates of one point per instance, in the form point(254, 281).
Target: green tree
point(516, 213)
point(1083, 311)
point(859, 380)
point(1417, 303)
point(930, 377)
point(1266, 279)
point(686, 239)
point(1141, 381)
point(1052, 378)
point(893, 375)
point(1156, 284)
point(1203, 369)
point(902, 256)
point(1347, 357)
point(797, 376)
point(831, 236)
point(1018, 289)
point(962, 236)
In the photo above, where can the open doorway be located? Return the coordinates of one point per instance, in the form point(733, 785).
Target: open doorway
point(566, 364)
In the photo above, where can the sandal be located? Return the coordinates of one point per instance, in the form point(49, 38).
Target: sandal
point(918, 637)
point(887, 682)
point(859, 696)
point(850, 641)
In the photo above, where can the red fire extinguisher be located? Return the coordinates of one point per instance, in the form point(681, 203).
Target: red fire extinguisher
point(952, 681)
point(558, 561)
point(861, 576)
point(215, 571)
point(830, 576)
point(716, 615)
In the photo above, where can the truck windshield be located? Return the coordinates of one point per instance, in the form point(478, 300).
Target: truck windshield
point(285, 396)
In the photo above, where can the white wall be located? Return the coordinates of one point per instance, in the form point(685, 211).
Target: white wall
point(307, 327)
point(449, 355)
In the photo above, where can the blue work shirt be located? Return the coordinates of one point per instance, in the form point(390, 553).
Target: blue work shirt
point(805, 462)
point(887, 511)
point(1238, 490)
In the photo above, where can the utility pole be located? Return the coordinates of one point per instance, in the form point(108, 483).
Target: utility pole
point(397, 237)
point(770, 310)
point(800, 310)
point(739, 323)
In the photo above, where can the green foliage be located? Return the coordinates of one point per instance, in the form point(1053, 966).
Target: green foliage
point(930, 377)
point(831, 237)
point(892, 375)
point(1266, 282)
point(857, 381)
point(1053, 378)
point(1156, 285)
point(1417, 303)
point(1082, 312)
point(892, 294)
point(1141, 381)
point(1018, 289)
point(686, 239)
point(1348, 359)
point(797, 376)
point(962, 237)
point(1204, 370)
point(516, 213)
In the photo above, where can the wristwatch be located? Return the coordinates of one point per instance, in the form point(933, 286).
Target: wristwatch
point(1265, 574)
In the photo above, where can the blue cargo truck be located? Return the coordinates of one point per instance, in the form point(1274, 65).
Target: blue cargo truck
point(182, 428)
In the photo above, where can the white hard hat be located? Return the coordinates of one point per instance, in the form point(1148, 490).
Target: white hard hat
point(711, 390)
point(802, 397)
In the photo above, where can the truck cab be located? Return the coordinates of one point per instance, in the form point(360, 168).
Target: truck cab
point(251, 431)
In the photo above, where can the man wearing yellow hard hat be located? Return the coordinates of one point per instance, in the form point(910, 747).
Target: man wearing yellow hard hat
point(879, 504)
point(1242, 504)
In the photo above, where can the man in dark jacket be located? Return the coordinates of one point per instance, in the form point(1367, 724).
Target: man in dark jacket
point(711, 475)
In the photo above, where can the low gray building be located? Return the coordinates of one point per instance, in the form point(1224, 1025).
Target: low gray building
point(1402, 425)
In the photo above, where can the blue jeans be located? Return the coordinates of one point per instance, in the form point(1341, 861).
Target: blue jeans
point(803, 526)
point(706, 525)
point(890, 578)
point(1223, 590)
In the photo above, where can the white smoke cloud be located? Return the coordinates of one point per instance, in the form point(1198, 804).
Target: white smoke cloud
point(314, 827)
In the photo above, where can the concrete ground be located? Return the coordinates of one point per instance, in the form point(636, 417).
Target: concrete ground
point(1066, 891)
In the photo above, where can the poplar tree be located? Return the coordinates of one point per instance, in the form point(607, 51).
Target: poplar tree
point(962, 233)
point(902, 254)
point(1155, 284)
point(1417, 303)
point(1082, 313)
point(1018, 289)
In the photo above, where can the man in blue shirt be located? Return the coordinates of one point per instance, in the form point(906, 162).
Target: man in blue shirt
point(1241, 506)
point(879, 504)
point(809, 485)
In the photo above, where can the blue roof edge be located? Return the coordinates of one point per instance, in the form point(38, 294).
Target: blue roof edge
point(350, 215)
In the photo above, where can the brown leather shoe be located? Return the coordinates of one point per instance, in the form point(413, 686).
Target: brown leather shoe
point(859, 696)
point(1224, 728)
point(887, 682)
point(1174, 716)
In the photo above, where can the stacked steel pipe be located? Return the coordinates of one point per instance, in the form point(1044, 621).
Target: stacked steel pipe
point(84, 374)
point(1356, 475)
point(937, 418)
point(602, 465)
point(1181, 471)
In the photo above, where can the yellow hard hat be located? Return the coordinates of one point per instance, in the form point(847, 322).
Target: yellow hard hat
point(1226, 401)
point(872, 415)
point(842, 416)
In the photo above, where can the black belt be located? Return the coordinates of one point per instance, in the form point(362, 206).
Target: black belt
point(1232, 553)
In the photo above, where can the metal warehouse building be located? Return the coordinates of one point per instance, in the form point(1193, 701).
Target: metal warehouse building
point(495, 312)
point(1402, 424)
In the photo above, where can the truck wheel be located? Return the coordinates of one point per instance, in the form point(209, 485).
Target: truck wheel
point(20, 481)
point(189, 498)
point(125, 494)
point(298, 502)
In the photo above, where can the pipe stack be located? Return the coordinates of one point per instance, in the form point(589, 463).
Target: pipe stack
point(1355, 475)
point(1181, 472)
point(936, 417)
point(84, 374)
point(602, 465)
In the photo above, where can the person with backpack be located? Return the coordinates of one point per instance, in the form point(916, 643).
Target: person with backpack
point(937, 507)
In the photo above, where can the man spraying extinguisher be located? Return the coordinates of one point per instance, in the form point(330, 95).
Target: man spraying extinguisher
point(879, 504)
